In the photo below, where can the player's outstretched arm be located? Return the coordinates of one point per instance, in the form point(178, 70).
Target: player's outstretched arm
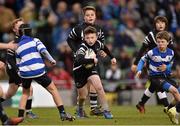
point(10, 45)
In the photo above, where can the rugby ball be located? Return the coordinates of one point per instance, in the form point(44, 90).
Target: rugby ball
point(89, 54)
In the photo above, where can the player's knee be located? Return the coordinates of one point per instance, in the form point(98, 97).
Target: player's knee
point(99, 89)
point(174, 91)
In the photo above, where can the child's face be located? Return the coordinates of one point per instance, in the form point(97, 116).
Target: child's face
point(90, 16)
point(16, 27)
point(90, 38)
point(160, 26)
point(162, 44)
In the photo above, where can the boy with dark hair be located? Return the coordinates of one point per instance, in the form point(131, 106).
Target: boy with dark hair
point(31, 67)
point(76, 37)
point(160, 24)
point(84, 71)
point(159, 61)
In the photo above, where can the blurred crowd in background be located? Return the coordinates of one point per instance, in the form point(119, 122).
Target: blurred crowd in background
point(125, 23)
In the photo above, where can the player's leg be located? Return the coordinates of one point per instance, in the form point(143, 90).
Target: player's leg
point(174, 116)
point(146, 96)
point(4, 118)
point(82, 95)
point(46, 82)
point(12, 89)
point(95, 110)
point(96, 82)
point(163, 98)
point(29, 112)
point(2, 69)
point(26, 83)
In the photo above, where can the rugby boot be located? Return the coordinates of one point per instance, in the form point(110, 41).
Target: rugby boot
point(140, 108)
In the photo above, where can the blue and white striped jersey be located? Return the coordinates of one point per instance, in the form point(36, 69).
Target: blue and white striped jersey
point(28, 57)
point(154, 58)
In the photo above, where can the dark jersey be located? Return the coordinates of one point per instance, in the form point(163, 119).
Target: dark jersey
point(148, 44)
point(76, 35)
point(11, 57)
point(80, 59)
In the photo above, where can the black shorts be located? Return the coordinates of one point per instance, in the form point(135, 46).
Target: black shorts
point(43, 80)
point(81, 75)
point(13, 76)
point(157, 82)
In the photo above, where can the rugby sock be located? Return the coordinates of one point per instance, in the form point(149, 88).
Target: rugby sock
point(80, 103)
point(61, 109)
point(93, 100)
point(178, 107)
point(163, 98)
point(172, 104)
point(21, 112)
point(144, 99)
point(105, 106)
point(29, 104)
point(3, 116)
point(165, 102)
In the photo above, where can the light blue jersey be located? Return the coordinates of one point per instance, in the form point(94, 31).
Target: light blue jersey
point(28, 57)
point(154, 58)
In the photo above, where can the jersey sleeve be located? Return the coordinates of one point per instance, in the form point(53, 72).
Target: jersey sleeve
point(101, 36)
point(11, 59)
point(74, 36)
point(40, 46)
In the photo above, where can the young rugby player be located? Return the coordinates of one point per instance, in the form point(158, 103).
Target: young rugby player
point(160, 24)
point(159, 61)
point(4, 118)
point(31, 67)
point(84, 71)
point(11, 68)
point(75, 38)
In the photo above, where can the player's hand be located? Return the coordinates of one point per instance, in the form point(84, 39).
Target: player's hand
point(95, 60)
point(12, 45)
point(113, 61)
point(138, 74)
point(102, 53)
point(134, 68)
point(162, 67)
point(53, 62)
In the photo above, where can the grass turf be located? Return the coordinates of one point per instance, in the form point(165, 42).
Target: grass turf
point(123, 115)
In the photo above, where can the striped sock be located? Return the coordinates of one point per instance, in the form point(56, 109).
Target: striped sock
point(93, 100)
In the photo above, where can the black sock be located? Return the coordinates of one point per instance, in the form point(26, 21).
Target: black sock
point(178, 107)
point(165, 102)
point(21, 113)
point(144, 99)
point(3, 116)
point(29, 104)
point(61, 109)
point(170, 106)
point(93, 100)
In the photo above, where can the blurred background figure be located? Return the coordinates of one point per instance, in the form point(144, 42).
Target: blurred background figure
point(113, 73)
point(62, 79)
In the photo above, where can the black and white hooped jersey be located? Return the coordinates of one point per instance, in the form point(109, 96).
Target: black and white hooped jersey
point(155, 58)
point(76, 35)
point(80, 59)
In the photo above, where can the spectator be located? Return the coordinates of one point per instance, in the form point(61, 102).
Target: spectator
point(61, 78)
point(113, 73)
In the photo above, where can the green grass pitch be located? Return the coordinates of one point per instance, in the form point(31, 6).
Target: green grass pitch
point(123, 115)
